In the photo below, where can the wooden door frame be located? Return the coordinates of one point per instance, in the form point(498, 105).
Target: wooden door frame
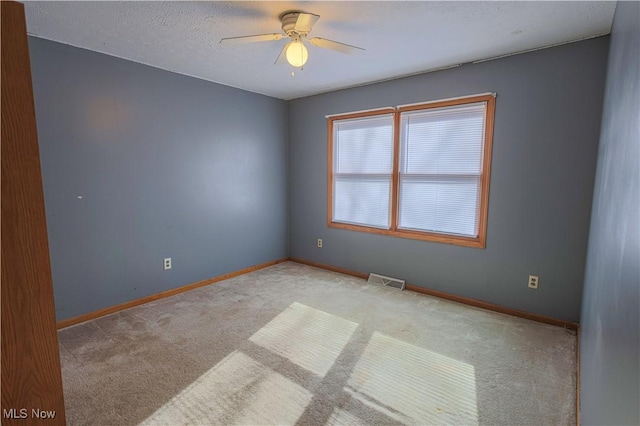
point(31, 376)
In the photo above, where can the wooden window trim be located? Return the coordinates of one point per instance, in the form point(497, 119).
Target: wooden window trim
point(480, 240)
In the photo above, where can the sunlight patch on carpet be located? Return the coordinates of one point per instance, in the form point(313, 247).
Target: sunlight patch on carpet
point(238, 390)
point(414, 385)
point(309, 338)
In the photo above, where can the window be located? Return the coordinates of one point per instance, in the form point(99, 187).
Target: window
point(417, 171)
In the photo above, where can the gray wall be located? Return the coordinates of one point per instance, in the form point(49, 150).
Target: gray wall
point(547, 124)
point(610, 322)
point(167, 166)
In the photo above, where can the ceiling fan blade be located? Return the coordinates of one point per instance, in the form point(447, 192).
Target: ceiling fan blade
point(251, 39)
point(305, 22)
point(334, 45)
point(282, 57)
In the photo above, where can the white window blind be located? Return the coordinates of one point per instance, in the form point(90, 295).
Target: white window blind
point(362, 170)
point(440, 169)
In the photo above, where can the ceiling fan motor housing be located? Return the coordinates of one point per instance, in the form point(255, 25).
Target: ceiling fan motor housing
point(289, 24)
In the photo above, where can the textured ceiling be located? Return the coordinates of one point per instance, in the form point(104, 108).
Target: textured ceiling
point(400, 38)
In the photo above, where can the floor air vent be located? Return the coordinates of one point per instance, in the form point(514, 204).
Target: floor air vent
point(386, 281)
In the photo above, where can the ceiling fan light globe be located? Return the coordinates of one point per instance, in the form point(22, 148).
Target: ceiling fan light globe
point(297, 54)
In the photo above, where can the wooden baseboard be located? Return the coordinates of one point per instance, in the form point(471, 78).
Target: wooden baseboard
point(162, 295)
point(435, 293)
point(453, 297)
point(330, 268)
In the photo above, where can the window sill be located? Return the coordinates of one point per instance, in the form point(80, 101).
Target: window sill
point(474, 242)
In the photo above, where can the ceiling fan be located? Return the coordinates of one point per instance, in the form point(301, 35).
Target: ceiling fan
point(296, 26)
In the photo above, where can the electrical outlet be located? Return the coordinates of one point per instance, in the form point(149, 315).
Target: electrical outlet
point(533, 282)
point(320, 242)
point(167, 263)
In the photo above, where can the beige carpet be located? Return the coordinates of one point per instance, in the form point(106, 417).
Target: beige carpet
point(292, 344)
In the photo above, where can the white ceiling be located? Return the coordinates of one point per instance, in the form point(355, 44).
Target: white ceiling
point(400, 38)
